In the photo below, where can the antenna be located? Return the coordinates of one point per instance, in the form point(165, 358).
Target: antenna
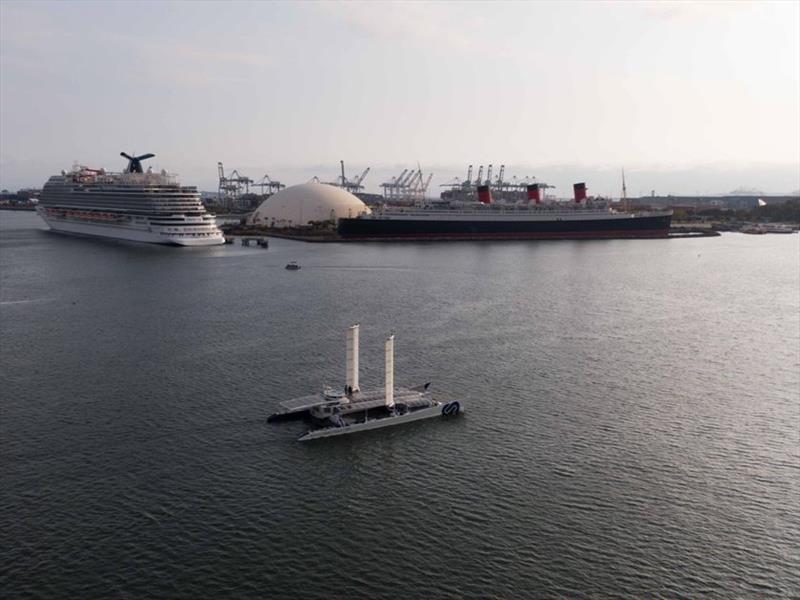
point(624, 191)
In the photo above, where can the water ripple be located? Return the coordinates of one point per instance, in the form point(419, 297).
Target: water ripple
point(620, 439)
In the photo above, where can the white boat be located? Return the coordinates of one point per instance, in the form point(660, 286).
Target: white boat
point(351, 410)
point(133, 205)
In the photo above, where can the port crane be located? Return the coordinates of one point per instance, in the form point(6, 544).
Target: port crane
point(409, 187)
point(265, 183)
point(232, 186)
point(427, 183)
point(512, 190)
point(352, 186)
point(405, 180)
point(356, 185)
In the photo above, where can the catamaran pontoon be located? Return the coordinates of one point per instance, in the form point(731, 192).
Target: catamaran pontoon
point(335, 412)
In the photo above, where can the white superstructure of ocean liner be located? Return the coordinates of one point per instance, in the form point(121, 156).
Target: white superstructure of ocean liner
point(132, 205)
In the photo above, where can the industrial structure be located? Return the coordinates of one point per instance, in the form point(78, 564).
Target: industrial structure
point(232, 186)
point(234, 189)
point(512, 190)
point(407, 188)
point(351, 185)
point(268, 186)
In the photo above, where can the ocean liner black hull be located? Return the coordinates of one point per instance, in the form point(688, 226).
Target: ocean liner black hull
point(606, 226)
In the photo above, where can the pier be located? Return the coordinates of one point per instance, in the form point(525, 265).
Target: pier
point(260, 241)
point(692, 232)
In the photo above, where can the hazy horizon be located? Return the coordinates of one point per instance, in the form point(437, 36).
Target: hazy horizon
point(689, 98)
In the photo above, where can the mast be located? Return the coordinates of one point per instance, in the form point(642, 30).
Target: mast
point(624, 192)
point(351, 379)
point(390, 372)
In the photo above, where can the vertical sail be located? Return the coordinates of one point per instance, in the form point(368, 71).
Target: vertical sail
point(351, 378)
point(390, 372)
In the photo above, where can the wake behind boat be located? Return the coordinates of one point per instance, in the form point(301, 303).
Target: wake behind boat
point(351, 410)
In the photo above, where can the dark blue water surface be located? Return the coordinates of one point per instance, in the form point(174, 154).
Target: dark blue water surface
point(633, 424)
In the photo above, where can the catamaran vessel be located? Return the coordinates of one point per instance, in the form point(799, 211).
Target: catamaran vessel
point(133, 205)
point(338, 412)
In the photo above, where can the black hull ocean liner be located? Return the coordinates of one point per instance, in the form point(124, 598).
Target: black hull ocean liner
point(486, 220)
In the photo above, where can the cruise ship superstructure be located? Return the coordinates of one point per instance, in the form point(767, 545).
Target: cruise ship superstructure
point(133, 205)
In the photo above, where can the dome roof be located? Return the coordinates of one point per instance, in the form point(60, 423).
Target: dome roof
point(308, 202)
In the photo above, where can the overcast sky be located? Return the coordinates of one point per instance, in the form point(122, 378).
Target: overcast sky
point(688, 97)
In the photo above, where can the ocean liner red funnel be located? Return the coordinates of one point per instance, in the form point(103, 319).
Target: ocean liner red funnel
point(580, 192)
point(484, 194)
point(534, 195)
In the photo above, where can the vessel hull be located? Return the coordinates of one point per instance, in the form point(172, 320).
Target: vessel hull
point(130, 233)
point(431, 228)
point(439, 410)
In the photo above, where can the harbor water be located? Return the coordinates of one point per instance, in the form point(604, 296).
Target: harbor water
point(632, 424)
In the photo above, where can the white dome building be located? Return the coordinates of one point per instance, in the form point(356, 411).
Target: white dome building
point(302, 204)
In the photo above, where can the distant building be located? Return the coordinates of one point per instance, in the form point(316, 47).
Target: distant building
point(731, 202)
point(23, 197)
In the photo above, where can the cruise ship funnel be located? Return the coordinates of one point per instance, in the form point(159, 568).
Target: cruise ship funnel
point(135, 162)
point(534, 195)
point(484, 194)
point(580, 192)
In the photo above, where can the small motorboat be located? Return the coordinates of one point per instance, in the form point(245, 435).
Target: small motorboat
point(293, 266)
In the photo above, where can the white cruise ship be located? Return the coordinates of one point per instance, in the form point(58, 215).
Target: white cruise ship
point(133, 205)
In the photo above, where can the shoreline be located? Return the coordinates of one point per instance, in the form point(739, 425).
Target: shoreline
point(18, 208)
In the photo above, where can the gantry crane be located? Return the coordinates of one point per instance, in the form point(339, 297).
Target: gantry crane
point(352, 186)
point(407, 188)
point(500, 176)
point(270, 185)
point(231, 186)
